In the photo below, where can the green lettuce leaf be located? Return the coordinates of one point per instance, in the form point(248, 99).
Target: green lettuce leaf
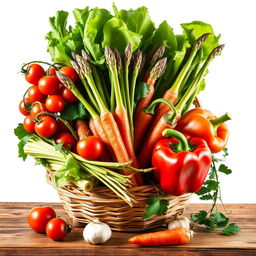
point(195, 29)
point(73, 111)
point(93, 33)
point(138, 21)
point(164, 35)
point(117, 35)
point(62, 40)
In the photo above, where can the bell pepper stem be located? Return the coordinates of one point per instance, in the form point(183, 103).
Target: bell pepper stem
point(182, 144)
point(220, 120)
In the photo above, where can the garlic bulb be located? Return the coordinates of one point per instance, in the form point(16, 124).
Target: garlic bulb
point(180, 222)
point(97, 232)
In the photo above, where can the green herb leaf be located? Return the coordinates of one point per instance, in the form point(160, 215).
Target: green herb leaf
point(223, 168)
point(20, 132)
point(59, 147)
point(231, 229)
point(155, 206)
point(141, 91)
point(73, 111)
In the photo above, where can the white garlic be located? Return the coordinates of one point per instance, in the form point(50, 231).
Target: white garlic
point(97, 232)
point(179, 222)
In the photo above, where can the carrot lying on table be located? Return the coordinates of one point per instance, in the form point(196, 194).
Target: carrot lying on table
point(167, 237)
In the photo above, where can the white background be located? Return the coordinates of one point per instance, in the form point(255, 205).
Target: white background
point(230, 84)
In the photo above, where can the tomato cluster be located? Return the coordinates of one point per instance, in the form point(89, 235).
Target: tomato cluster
point(43, 102)
point(43, 220)
point(46, 94)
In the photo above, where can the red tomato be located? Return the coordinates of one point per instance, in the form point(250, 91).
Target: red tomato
point(34, 94)
point(67, 95)
point(90, 147)
point(69, 72)
point(67, 139)
point(34, 73)
point(23, 109)
point(49, 85)
point(51, 71)
point(46, 127)
point(57, 229)
point(29, 124)
point(37, 108)
point(55, 103)
point(38, 218)
point(62, 127)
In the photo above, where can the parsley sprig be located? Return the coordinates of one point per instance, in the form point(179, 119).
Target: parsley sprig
point(214, 220)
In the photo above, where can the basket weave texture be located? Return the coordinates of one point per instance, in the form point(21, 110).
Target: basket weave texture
point(103, 204)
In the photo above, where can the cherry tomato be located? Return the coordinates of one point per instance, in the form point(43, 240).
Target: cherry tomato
point(57, 229)
point(38, 218)
point(51, 71)
point(23, 110)
point(34, 94)
point(37, 108)
point(49, 85)
point(29, 124)
point(69, 72)
point(67, 95)
point(34, 73)
point(46, 127)
point(90, 147)
point(67, 139)
point(62, 127)
point(55, 103)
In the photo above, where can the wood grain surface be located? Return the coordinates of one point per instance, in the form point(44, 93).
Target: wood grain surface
point(16, 238)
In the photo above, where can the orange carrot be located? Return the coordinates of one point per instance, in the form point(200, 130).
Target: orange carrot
point(166, 237)
point(172, 93)
point(120, 128)
point(154, 135)
point(122, 121)
point(82, 129)
point(162, 109)
point(155, 73)
point(92, 128)
point(142, 126)
point(102, 134)
point(115, 139)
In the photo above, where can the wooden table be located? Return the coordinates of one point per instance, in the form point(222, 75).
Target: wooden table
point(16, 238)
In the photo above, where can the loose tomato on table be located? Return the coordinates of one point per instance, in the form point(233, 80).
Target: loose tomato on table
point(67, 139)
point(69, 72)
point(46, 127)
point(38, 218)
point(34, 73)
point(34, 94)
point(29, 124)
point(57, 229)
point(55, 103)
point(90, 147)
point(49, 85)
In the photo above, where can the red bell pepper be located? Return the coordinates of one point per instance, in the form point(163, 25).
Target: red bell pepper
point(181, 165)
point(202, 123)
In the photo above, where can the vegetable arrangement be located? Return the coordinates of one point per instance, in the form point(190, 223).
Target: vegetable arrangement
point(117, 86)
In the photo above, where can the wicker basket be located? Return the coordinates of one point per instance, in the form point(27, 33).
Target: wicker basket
point(103, 204)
